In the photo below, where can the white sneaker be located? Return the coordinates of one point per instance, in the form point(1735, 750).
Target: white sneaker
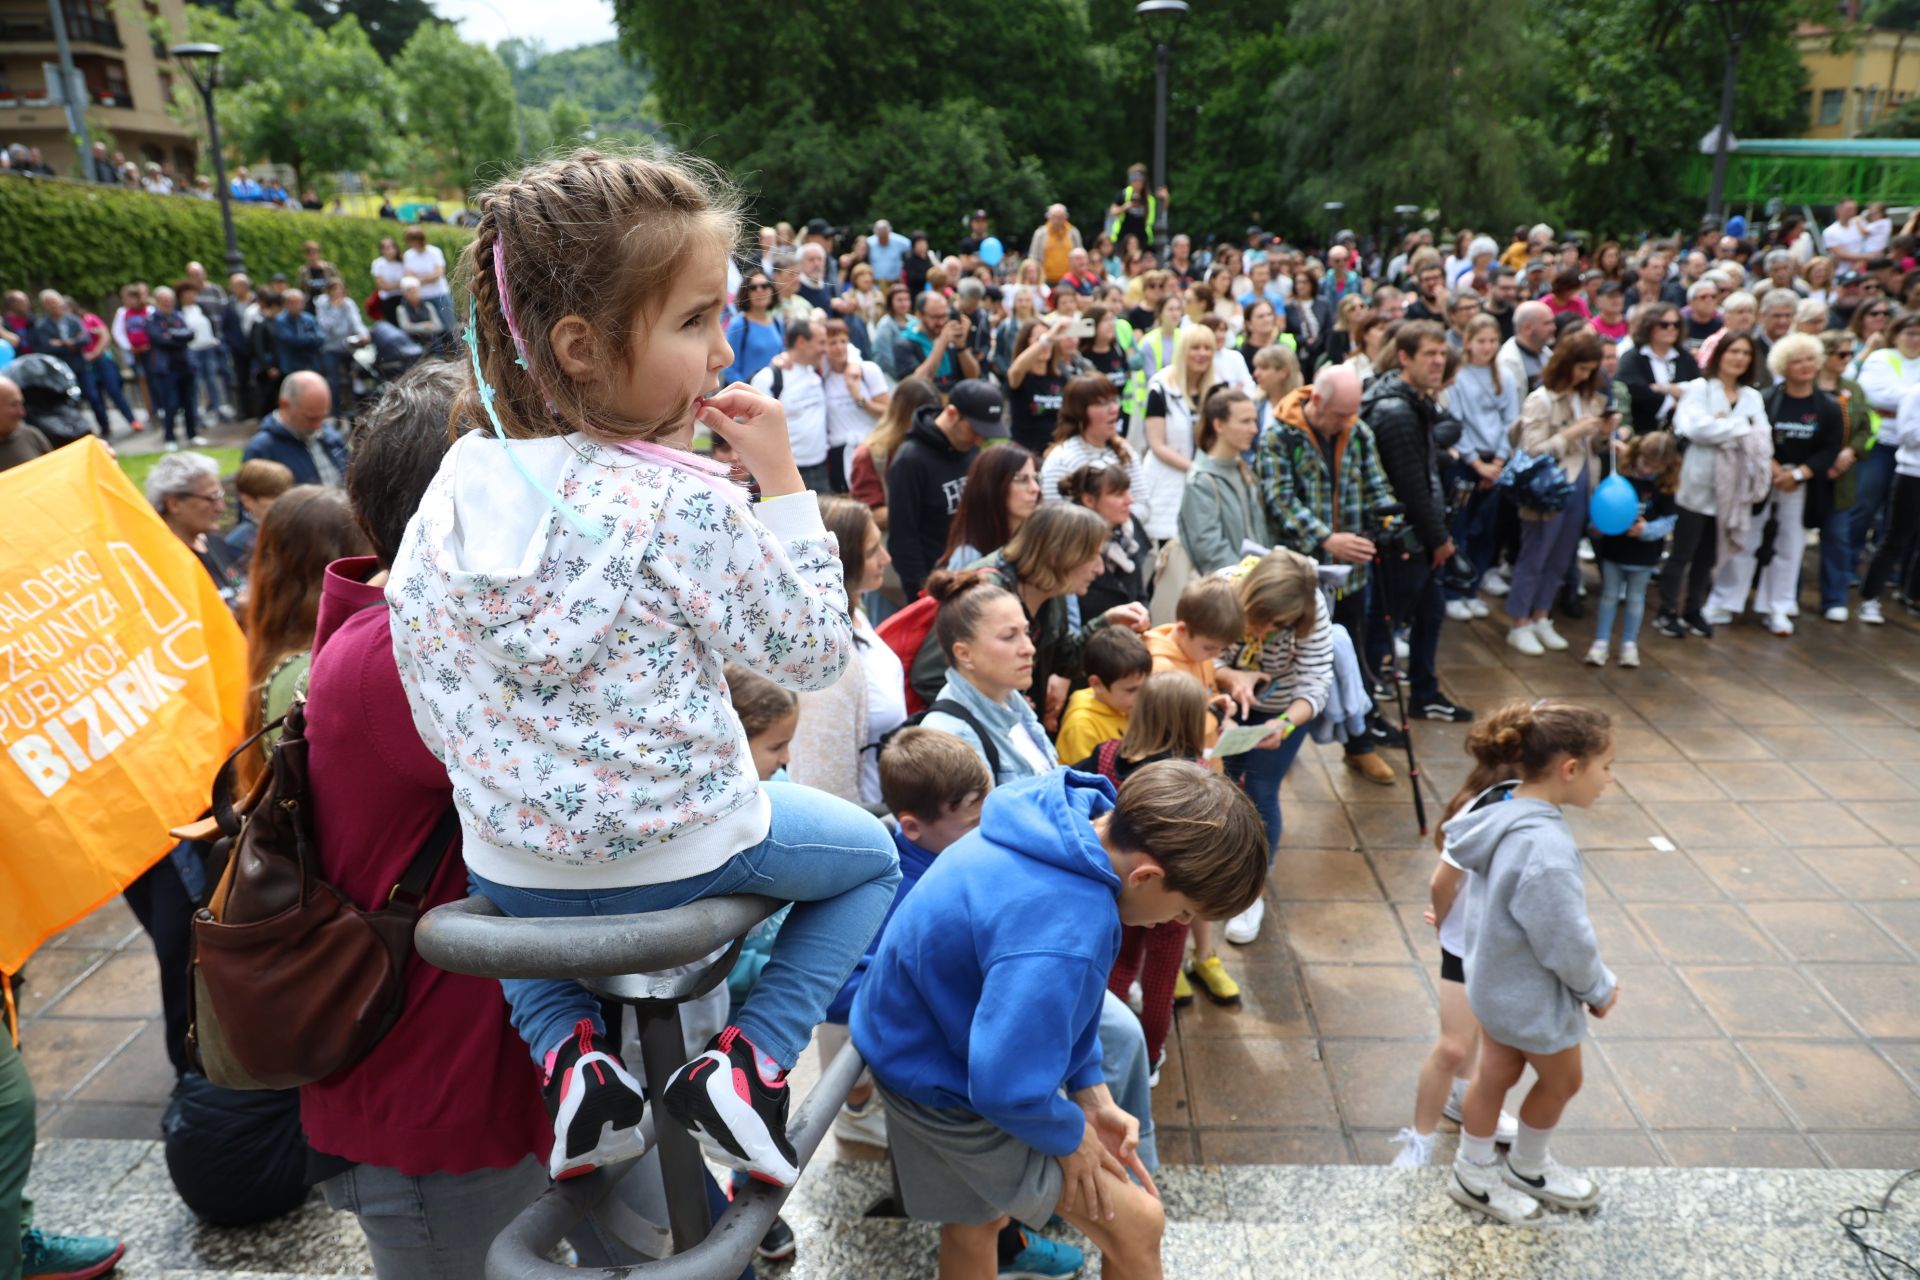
point(1459, 611)
point(1555, 1184)
point(1586, 551)
point(1495, 583)
point(1245, 927)
point(200, 442)
point(1505, 1131)
point(1716, 617)
point(866, 1124)
point(1480, 1187)
point(1543, 632)
point(1780, 624)
point(1870, 613)
point(1416, 1148)
point(1136, 999)
point(1629, 655)
point(1478, 607)
point(1523, 639)
point(1400, 649)
point(1153, 1074)
point(1597, 654)
point(1836, 614)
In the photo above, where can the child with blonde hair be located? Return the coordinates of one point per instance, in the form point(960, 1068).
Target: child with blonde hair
point(564, 602)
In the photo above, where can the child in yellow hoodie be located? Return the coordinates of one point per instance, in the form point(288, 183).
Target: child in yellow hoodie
point(1117, 664)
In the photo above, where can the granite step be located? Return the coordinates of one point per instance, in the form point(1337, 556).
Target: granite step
point(1225, 1223)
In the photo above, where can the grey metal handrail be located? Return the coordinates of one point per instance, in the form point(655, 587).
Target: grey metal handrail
point(473, 936)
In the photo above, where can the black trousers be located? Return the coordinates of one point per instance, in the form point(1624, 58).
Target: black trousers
point(1692, 552)
point(163, 906)
point(1903, 530)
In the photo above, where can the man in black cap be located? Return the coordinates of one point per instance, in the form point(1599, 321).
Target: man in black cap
point(929, 471)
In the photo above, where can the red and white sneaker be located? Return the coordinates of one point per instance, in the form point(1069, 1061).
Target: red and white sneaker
point(733, 1099)
point(597, 1107)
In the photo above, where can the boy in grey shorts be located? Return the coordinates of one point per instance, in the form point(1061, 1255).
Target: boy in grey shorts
point(980, 1014)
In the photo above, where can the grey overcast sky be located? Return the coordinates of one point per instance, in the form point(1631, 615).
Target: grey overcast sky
point(559, 24)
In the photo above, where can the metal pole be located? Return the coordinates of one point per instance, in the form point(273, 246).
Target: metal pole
point(1717, 193)
point(76, 111)
point(235, 262)
point(1162, 58)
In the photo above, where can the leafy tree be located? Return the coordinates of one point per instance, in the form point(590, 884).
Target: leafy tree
point(315, 101)
point(458, 99)
point(563, 124)
point(388, 23)
point(1902, 122)
point(611, 90)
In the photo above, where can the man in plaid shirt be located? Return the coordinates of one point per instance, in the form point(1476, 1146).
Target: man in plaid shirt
point(1321, 477)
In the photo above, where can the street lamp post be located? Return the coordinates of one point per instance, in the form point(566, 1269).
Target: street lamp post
point(202, 62)
point(1163, 18)
point(1736, 19)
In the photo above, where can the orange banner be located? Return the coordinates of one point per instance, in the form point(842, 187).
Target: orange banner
point(122, 683)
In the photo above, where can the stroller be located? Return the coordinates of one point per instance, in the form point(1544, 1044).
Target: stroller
point(390, 354)
point(52, 396)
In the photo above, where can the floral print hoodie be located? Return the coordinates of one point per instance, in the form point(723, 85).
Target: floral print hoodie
point(573, 685)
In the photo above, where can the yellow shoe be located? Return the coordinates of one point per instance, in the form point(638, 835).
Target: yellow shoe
point(1211, 975)
point(1182, 991)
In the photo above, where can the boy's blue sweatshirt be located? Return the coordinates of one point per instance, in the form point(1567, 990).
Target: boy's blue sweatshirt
point(986, 990)
point(914, 862)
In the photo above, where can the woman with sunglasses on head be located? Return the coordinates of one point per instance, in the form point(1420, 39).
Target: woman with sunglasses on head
point(1657, 368)
point(756, 334)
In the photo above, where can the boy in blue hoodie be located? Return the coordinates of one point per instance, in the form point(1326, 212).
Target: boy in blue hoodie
point(980, 1015)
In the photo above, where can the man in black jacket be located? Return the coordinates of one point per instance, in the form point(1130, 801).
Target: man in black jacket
point(928, 472)
point(1400, 410)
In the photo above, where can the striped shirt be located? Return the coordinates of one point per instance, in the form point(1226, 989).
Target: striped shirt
point(1295, 666)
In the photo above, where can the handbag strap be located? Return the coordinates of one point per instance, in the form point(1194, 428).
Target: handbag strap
point(407, 896)
point(223, 810)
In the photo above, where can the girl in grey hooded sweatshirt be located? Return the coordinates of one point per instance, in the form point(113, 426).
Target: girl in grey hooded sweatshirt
point(1533, 965)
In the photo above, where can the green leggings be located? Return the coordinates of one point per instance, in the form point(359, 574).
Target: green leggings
point(16, 1153)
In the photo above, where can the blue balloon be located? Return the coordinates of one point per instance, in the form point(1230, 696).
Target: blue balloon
point(991, 251)
point(1614, 506)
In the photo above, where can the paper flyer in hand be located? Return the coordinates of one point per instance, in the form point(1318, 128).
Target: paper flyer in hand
point(1236, 738)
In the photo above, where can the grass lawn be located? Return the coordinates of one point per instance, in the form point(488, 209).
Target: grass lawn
point(138, 464)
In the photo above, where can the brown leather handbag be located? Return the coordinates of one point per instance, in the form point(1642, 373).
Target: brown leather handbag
point(293, 983)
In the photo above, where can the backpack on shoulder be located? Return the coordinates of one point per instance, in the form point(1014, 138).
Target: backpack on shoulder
point(293, 983)
point(964, 716)
point(904, 633)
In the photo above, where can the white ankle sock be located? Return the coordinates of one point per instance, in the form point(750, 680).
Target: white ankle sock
point(1528, 1154)
point(1476, 1150)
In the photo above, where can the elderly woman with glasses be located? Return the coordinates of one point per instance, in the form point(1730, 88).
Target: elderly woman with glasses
point(185, 489)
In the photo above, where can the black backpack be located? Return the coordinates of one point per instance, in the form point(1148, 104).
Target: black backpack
point(961, 714)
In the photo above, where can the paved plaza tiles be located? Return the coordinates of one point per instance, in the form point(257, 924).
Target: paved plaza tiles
point(1769, 1015)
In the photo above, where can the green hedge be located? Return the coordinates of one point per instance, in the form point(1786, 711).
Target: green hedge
point(87, 241)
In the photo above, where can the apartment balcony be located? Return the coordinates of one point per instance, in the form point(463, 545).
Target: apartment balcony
point(21, 32)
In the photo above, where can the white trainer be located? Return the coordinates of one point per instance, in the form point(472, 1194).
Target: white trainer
point(1245, 927)
point(1504, 1132)
point(1416, 1148)
point(1780, 624)
point(1543, 631)
point(1716, 617)
point(1523, 639)
point(1836, 614)
point(1870, 613)
point(1495, 583)
point(1597, 654)
point(1480, 1187)
point(1555, 1184)
point(1459, 611)
point(1629, 655)
point(1478, 607)
point(866, 1124)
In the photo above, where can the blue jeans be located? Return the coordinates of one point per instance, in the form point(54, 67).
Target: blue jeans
point(1616, 581)
point(1476, 529)
point(1836, 559)
point(210, 372)
point(104, 378)
point(1259, 773)
point(831, 859)
point(1873, 484)
point(173, 392)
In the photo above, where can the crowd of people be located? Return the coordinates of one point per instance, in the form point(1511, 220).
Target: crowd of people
point(960, 519)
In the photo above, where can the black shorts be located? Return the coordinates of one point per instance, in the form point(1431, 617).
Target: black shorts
point(1452, 967)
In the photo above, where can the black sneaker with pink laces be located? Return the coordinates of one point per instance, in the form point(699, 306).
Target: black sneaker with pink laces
point(733, 1099)
point(597, 1108)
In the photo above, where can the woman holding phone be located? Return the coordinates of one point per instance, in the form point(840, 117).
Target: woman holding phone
point(1046, 355)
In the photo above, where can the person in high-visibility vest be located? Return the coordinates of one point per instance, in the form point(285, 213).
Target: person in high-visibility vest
point(1137, 212)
